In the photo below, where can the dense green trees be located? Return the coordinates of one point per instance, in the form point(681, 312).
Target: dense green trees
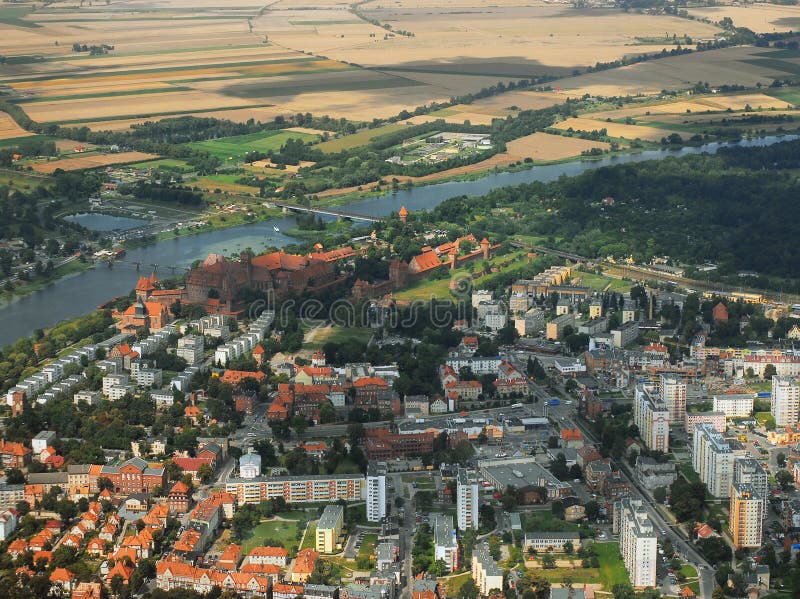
point(729, 208)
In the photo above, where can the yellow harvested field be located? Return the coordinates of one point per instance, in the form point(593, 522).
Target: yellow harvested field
point(82, 162)
point(9, 128)
point(67, 110)
point(761, 18)
point(547, 147)
point(500, 40)
point(309, 131)
point(613, 129)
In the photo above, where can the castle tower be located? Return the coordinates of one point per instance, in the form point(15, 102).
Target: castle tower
point(453, 259)
point(403, 214)
point(485, 248)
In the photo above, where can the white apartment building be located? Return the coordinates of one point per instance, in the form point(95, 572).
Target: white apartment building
point(673, 393)
point(467, 499)
point(190, 348)
point(485, 571)
point(250, 465)
point(712, 459)
point(735, 405)
point(651, 415)
point(637, 543)
point(376, 491)
point(114, 380)
point(785, 406)
point(746, 516)
point(445, 541)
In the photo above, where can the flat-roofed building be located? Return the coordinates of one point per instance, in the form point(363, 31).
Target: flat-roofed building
point(746, 516)
point(329, 528)
point(637, 542)
point(734, 405)
point(712, 459)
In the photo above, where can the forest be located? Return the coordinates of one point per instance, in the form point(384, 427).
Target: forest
point(731, 208)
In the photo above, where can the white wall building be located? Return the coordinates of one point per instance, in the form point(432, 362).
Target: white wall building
point(785, 406)
point(651, 415)
point(750, 471)
point(673, 393)
point(190, 348)
point(467, 499)
point(712, 459)
point(637, 543)
point(445, 541)
point(735, 405)
point(376, 491)
point(250, 465)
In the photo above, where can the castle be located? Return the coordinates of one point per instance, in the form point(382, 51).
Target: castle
point(446, 255)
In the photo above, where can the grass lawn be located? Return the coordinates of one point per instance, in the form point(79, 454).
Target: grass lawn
point(428, 289)
point(315, 339)
point(601, 282)
point(231, 149)
point(577, 575)
point(689, 473)
point(761, 417)
point(310, 540)
point(612, 569)
point(361, 138)
point(454, 583)
point(688, 571)
point(368, 543)
point(286, 532)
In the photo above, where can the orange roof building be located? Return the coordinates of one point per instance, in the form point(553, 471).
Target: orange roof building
point(234, 377)
point(304, 564)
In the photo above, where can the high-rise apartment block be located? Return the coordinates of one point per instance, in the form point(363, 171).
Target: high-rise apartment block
point(746, 516)
point(467, 499)
point(376, 491)
point(637, 542)
point(651, 415)
point(712, 459)
point(785, 405)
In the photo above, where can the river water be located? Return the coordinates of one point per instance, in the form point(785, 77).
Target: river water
point(79, 294)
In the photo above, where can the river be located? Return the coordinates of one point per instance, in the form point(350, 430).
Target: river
point(75, 295)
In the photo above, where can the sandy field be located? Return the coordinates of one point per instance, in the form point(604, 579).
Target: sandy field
point(613, 129)
point(545, 146)
point(500, 40)
point(81, 162)
point(761, 18)
point(71, 110)
point(9, 128)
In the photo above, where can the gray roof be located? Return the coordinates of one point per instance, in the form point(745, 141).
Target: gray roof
point(79, 468)
point(47, 478)
point(330, 516)
point(552, 535)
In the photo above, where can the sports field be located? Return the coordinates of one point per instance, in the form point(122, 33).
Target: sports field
point(235, 148)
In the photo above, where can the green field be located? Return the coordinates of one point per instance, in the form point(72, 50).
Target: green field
point(368, 543)
point(601, 282)
point(427, 289)
point(310, 540)
point(235, 148)
point(578, 575)
point(361, 138)
point(454, 583)
point(167, 163)
point(688, 472)
point(12, 15)
point(316, 338)
point(287, 532)
point(612, 569)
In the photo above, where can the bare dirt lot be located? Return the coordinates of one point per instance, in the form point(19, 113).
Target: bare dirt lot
point(9, 129)
point(94, 161)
